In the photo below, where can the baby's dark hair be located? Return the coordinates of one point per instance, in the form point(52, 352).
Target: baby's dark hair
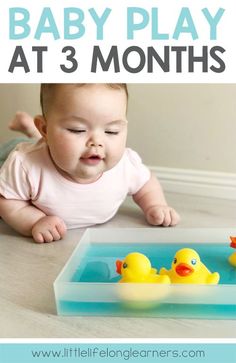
point(47, 91)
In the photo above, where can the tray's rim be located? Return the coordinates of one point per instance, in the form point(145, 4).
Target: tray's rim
point(94, 235)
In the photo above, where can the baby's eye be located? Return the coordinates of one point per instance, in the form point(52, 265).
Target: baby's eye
point(125, 265)
point(175, 260)
point(193, 261)
point(76, 131)
point(109, 132)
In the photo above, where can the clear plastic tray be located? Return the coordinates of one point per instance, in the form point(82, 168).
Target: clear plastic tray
point(88, 283)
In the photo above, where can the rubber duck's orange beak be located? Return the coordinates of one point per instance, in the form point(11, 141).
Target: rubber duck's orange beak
point(233, 242)
point(118, 266)
point(183, 269)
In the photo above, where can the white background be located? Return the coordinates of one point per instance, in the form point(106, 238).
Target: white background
point(115, 33)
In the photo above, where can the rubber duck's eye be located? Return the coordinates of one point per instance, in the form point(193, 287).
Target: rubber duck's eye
point(125, 265)
point(193, 261)
point(175, 260)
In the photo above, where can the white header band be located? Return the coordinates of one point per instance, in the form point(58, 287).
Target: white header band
point(134, 41)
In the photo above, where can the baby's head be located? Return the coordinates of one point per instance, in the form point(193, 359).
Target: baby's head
point(85, 127)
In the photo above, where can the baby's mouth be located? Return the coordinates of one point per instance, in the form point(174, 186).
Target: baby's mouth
point(91, 160)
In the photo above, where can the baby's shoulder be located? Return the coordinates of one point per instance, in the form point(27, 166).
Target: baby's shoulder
point(28, 150)
point(27, 155)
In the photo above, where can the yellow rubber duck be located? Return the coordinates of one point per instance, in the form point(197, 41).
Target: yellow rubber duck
point(187, 268)
point(139, 292)
point(136, 267)
point(232, 258)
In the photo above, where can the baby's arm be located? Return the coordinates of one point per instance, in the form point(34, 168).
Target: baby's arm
point(152, 201)
point(31, 221)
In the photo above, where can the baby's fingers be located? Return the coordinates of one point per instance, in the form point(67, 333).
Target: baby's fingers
point(55, 234)
point(48, 236)
point(167, 219)
point(156, 217)
point(164, 216)
point(61, 229)
point(38, 237)
point(175, 218)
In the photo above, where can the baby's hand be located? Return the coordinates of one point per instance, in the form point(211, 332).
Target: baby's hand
point(48, 229)
point(162, 215)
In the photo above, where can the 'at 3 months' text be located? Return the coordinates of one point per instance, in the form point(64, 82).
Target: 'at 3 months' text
point(133, 59)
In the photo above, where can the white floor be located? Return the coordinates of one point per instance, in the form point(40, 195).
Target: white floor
point(28, 270)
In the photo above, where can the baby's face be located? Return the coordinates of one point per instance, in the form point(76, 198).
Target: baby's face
point(87, 130)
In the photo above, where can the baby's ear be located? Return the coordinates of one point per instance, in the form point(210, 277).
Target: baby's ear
point(41, 125)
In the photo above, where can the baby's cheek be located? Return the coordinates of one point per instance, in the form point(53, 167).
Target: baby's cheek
point(67, 143)
point(63, 153)
point(115, 153)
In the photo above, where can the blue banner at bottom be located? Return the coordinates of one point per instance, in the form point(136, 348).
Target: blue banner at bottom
point(116, 352)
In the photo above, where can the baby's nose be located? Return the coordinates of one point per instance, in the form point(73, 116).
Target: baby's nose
point(95, 142)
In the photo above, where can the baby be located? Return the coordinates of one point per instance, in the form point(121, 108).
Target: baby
point(79, 171)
